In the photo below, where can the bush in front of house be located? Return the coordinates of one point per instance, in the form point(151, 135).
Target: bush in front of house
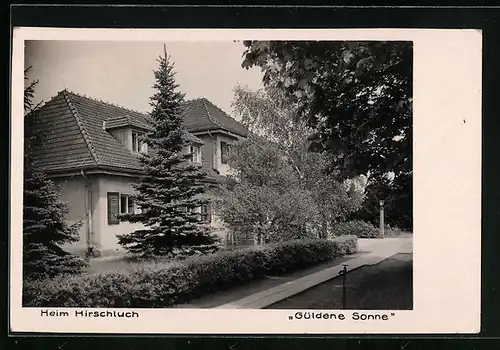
point(163, 284)
point(358, 228)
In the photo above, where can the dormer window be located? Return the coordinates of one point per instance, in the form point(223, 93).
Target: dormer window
point(129, 131)
point(195, 154)
point(138, 145)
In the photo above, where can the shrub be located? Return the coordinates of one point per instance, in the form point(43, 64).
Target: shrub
point(358, 228)
point(394, 231)
point(163, 284)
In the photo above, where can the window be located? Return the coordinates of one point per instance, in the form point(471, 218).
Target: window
point(195, 154)
point(206, 213)
point(121, 204)
point(131, 205)
point(127, 204)
point(113, 208)
point(138, 145)
point(224, 152)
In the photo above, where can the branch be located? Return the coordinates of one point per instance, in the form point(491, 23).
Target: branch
point(284, 149)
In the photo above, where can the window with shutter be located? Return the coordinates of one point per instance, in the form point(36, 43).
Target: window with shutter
point(113, 208)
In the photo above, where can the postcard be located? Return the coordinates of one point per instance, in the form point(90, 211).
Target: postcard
point(233, 181)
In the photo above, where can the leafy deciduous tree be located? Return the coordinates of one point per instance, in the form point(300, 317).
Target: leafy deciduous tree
point(357, 97)
point(276, 169)
point(264, 199)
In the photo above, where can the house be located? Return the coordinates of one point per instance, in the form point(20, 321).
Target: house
point(215, 128)
point(90, 149)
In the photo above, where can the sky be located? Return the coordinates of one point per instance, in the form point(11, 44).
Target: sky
point(122, 72)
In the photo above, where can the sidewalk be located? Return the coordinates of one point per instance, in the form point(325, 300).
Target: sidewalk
point(379, 251)
point(262, 293)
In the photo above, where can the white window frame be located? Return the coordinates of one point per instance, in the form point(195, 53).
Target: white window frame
point(138, 145)
point(135, 208)
point(195, 154)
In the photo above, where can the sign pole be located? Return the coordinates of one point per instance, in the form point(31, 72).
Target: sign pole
point(343, 273)
point(382, 226)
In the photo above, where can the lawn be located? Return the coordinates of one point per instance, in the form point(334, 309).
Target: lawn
point(387, 286)
point(109, 264)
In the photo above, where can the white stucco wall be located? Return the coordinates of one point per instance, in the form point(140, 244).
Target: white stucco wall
point(72, 192)
point(108, 242)
point(103, 235)
point(222, 168)
point(207, 149)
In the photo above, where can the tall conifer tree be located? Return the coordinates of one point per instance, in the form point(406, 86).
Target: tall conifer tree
point(44, 225)
point(170, 190)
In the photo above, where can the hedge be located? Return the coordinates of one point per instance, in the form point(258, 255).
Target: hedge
point(358, 228)
point(163, 284)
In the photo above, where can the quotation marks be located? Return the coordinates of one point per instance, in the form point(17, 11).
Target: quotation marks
point(332, 316)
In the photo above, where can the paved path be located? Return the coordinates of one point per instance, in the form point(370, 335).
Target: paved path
point(371, 252)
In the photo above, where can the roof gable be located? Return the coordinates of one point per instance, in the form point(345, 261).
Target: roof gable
point(77, 137)
point(92, 114)
point(63, 144)
point(201, 114)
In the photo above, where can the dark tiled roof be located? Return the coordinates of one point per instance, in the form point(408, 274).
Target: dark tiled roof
point(193, 139)
point(64, 145)
point(75, 139)
point(201, 115)
point(124, 121)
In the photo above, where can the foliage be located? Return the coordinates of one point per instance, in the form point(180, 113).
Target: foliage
point(32, 133)
point(44, 225)
point(398, 206)
point(335, 200)
point(170, 190)
point(281, 187)
point(265, 201)
point(167, 284)
point(395, 232)
point(356, 96)
point(271, 115)
point(358, 228)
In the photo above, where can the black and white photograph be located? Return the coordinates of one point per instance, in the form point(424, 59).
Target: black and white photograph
point(273, 174)
point(258, 174)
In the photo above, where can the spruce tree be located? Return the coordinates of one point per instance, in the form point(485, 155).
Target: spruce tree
point(44, 225)
point(169, 192)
